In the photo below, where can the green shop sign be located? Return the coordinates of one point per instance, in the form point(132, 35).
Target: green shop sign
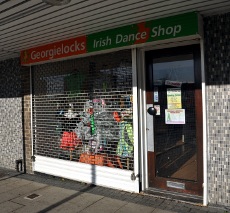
point(159, 29)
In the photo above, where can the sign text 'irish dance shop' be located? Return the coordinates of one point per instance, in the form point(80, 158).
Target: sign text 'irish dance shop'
point(159, 29)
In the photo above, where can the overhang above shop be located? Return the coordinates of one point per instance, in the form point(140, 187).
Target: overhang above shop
point(30, 23)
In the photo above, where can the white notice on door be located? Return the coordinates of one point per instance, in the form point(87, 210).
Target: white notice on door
point(175, 116)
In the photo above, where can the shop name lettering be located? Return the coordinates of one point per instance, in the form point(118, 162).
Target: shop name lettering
point(120, 38)
point(58, 51)
point(75, 47)
point(149, 31)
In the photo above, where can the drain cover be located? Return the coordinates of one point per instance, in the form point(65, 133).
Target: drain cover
point(32, 196)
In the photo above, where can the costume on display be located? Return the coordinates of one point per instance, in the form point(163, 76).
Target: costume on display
point(93, 132)
point(125, 144)
point(69, 139)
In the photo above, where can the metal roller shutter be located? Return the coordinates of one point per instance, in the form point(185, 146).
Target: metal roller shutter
point(83, 119)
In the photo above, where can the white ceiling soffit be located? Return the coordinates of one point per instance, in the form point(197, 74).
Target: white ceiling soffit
point(30, 23)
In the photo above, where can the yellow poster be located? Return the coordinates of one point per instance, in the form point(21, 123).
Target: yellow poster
point(174, 98)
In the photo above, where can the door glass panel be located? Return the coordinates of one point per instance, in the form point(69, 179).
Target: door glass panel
point(175, 123)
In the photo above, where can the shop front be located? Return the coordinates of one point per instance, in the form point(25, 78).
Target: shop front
point(122, 108)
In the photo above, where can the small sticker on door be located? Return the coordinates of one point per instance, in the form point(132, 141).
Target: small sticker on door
point(158, 108)
point(156, 95)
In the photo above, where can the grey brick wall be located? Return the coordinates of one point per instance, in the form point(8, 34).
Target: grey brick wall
point(11, 134)
point(217, 61)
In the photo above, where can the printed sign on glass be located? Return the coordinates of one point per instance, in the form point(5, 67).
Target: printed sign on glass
point(156, 94)
point(175, 116)
point(174, 98)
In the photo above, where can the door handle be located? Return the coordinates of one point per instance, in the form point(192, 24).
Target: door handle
point(152, 111)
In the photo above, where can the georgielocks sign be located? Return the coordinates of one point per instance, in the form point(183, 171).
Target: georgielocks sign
point(159, 29)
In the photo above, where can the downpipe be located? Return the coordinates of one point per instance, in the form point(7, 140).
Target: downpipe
point(18, 163)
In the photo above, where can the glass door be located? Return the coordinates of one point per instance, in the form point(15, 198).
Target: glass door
point(174, 88)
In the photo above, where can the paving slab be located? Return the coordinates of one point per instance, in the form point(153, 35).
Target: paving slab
point(20, 191)
point(9, 206)
point(135, 208)
point(4, 181)
point(162, 211)
point(64, 208)
point(13, 185)
point(54, 199)
point(8, 180)
point(77, 204)
point(47, 197)
point(106, 204)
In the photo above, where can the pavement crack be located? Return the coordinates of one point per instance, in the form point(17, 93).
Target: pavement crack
point(92, 204)
point(121, 207)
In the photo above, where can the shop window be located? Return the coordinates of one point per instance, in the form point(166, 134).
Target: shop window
point(82, 110)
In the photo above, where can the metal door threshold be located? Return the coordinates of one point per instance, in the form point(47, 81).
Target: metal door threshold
point(194, 199)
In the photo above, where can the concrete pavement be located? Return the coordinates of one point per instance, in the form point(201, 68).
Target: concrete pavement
point(22, 193)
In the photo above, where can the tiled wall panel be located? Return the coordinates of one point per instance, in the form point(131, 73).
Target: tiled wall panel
point(11, 135)
point(217, 62)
